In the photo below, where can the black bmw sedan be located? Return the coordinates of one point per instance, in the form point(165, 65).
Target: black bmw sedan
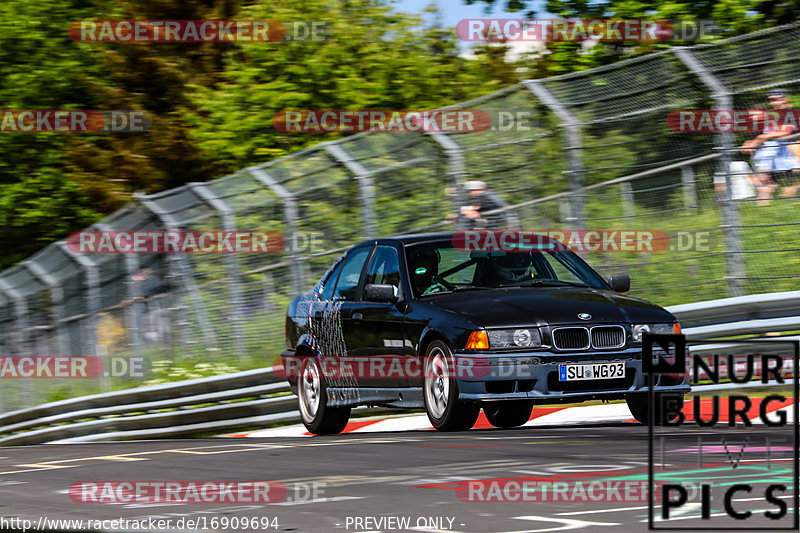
point(424, 321)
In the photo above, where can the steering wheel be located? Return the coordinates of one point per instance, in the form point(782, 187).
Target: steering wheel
point(441, 281)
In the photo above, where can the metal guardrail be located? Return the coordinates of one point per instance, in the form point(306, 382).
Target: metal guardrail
point(741, 315)
point(259, 397)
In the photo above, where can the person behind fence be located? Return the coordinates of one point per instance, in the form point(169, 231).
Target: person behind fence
point(742, 178)
point(155, 317)
point(774, 157)
point(481, 202)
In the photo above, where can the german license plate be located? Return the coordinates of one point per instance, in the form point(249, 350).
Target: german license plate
point(591, 371)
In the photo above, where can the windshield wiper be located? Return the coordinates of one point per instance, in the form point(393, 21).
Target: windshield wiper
point(458, 289)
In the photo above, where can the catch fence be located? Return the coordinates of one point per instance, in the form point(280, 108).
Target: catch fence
point(588, 150)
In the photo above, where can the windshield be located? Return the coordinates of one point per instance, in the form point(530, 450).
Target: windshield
point(440, 267)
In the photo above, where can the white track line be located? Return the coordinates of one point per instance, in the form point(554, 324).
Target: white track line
point(567, 416)
point(613, 412)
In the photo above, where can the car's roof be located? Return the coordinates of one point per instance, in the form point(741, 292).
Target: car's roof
point(410, 239)
point(417, 238)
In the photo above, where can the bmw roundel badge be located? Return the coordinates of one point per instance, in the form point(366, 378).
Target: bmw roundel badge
point(584, 316)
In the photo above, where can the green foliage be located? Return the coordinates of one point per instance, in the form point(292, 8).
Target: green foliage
point(731, 17)
point(375, 59)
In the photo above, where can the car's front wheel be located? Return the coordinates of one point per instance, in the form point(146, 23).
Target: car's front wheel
point(508, 414)
point(445, 410)
point(665, 411)
point(312, 396)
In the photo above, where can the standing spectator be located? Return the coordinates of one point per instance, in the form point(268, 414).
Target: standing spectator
point(155, 316)
point(481, 202)
point(772, 154)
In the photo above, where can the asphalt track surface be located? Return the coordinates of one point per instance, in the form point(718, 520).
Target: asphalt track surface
point(413, 474)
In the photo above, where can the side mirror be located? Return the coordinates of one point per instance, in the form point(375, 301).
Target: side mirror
point(621, 283)
point(380, 293)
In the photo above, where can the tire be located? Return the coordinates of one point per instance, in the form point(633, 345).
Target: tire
point(440, 391)
point(312, 400)
point(638, 406)
point(508, 414)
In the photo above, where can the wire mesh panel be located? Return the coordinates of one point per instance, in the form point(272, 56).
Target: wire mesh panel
point(327, 196)
point(520, 158)
point(749, 66)
point(407, 176)
point(622, 111)
point(591, 150)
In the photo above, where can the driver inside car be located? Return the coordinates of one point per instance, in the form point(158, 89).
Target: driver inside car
point(513, 267)
point(424, 270)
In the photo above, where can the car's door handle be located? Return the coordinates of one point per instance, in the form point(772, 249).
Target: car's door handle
point(357, 316)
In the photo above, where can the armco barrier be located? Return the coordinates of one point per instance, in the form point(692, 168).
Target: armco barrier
point(259, 398)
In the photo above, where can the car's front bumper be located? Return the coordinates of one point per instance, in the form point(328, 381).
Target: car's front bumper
point(534, 376)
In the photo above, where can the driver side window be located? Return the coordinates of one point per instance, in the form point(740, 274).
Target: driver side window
point(347, 285)
point(384, 269)
point(330, 283)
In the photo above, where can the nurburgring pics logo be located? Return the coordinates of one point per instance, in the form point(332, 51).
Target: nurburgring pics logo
point(73, 121)
point(353, 121)
point(738, 492)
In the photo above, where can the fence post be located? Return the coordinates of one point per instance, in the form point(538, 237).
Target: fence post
point(730, 209)
point(365, 185)
point(290, 218)
point(133, 322)
point(20, 314)
point(689, 191)
point(93, 305)
point(181, 270)
point(456, 170)
point(56, 298)
point(626, 190)
point(573, 142)
point(228, 224)
point(21, 325)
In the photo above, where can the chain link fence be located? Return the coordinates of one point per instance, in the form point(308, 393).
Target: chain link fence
point(588, 150)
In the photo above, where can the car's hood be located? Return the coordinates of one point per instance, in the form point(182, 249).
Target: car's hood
point(541, 306)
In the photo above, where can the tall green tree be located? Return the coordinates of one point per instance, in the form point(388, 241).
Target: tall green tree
point(41, 68)
point(376, 58)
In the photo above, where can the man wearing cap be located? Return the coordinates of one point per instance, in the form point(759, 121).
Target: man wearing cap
point(772, 154)
point(481, 203)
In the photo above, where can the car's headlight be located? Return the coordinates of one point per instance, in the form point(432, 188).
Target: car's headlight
point(515, 338)
point(638, 329)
